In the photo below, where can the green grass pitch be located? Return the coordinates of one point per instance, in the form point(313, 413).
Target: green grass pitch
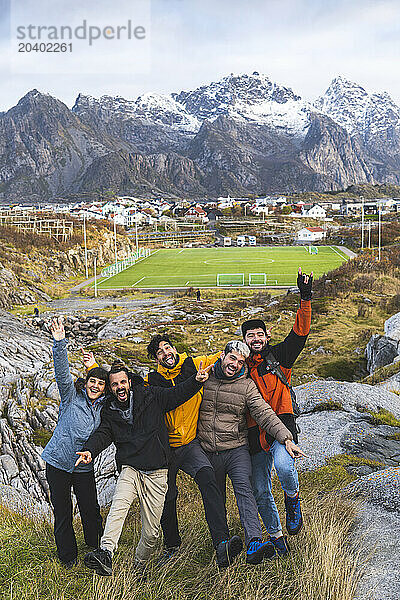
point(198, 267)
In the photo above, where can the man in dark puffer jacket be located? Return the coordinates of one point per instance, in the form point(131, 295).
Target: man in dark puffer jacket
point(135, 421)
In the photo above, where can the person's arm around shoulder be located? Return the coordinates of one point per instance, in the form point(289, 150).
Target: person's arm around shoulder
point(266, 418)
point(173, 397)
point(100, 439)
point(64, 380)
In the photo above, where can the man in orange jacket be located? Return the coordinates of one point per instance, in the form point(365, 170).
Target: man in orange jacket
point(270, 367)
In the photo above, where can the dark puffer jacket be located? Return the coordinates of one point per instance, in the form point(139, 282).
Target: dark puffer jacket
point(140, 434)
point(222, 421)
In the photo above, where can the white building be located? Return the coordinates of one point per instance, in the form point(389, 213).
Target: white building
point(315, 212)
point(310, 234)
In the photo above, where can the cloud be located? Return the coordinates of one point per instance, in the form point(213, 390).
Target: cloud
point(302, 44)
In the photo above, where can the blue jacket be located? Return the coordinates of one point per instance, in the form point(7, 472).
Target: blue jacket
point(77, 417)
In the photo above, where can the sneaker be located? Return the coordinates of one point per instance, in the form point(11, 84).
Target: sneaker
point(228, 550)
point(100, 561)
point(281, 545)
point(257, 550)
point(294, 518)
point(168, 555)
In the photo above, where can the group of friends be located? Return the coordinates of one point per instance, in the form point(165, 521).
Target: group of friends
point(232, 414)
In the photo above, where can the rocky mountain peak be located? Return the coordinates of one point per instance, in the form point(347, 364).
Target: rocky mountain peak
point(359, 111)
point(230, 94)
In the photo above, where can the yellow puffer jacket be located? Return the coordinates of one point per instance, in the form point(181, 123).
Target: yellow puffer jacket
point(182, 422)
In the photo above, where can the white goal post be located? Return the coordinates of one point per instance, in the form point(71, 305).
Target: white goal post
point(257, 279)
point(230, 279)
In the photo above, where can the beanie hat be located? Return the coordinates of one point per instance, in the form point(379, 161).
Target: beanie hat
point(253, 324)
point(97, 372)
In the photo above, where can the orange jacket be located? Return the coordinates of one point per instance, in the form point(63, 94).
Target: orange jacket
point(272, 389)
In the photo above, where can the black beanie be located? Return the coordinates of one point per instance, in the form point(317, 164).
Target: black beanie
point(253, 324)
point(99, 373)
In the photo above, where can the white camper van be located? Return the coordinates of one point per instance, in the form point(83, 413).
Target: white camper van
point(227, 241)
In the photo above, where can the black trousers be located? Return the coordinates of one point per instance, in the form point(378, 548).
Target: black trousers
point(192, 460)
point(84, 486)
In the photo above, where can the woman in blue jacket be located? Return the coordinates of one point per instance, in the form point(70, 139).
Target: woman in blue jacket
point(78, 417)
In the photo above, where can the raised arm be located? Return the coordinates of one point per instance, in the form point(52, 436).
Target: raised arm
point(64, 380)
point(287, 351)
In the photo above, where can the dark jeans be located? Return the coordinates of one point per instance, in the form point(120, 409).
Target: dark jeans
point(236, 464)
point(60, 484)
point(192, 459)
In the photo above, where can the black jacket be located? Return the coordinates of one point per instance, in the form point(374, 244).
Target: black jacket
point(143, 444)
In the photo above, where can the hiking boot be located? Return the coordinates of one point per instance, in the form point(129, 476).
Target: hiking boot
point(281, 545)
point(294, 518)
point(100, 561)
point(227, 551)
point(257, 550)
point(168, 555)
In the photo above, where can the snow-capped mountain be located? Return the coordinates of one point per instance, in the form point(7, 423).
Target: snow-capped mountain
point(373, 118)
point(242, 134)
point(253, 98)
point(160, 109)
point(358, 111)
point(246, 98)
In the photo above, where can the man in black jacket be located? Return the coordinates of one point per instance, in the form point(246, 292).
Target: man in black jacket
point(135, 421)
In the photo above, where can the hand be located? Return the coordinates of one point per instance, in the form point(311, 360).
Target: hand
point(202, 374)
point(304, 283)
point(57, 329)
point(88, 359)
point(85, 457)
point(294, 450)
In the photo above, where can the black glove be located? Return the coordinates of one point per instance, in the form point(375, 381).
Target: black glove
point(305, 288)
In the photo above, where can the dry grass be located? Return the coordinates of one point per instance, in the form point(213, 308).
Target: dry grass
point(323, 564)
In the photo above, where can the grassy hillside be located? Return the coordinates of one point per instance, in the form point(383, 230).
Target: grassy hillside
point(322, 564)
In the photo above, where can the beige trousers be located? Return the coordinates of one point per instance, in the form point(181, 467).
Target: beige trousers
point(150, 488)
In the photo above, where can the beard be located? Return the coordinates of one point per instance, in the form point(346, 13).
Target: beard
point(261, 346)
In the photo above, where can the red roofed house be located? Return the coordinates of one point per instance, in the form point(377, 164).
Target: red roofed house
point(310, 234)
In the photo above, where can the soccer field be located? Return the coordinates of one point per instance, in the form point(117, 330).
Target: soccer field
point(199, 267)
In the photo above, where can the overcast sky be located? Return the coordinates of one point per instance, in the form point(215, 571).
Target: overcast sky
point(302, 44)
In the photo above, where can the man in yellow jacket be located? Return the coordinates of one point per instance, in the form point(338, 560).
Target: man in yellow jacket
point(187, 454)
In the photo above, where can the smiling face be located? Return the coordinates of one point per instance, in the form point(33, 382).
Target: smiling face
point(95, 388)
point(167, 355)
point(232, 363)
point(256, 339)
point(120, 386)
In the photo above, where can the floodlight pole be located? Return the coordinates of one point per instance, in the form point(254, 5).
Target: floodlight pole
point(95, 276)
point(136, 234)
point(379, 232)
point(362, 224)
point(115, 241)
point(85, 245)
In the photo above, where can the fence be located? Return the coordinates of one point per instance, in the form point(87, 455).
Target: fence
point(121, 265)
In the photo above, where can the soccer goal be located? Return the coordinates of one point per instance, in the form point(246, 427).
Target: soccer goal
point(312, 249)
point(230, 279)
point(257, 279)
